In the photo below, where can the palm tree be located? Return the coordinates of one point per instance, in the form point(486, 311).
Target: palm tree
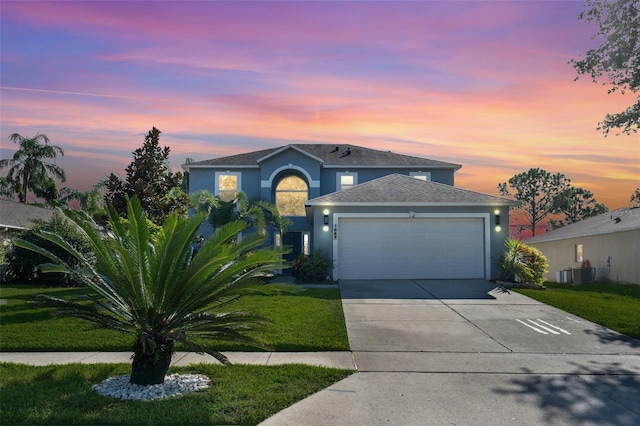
point(29, 171)
point(157, 288)
point(258, 214)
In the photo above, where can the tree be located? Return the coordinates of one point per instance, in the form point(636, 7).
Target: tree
point(617, 58)
point(257, 214)
point(634, 200)
point(149, 177)
point(536, 189)
point(30, 171)
point(91, 201)
point(157, 288)
point(575, 204)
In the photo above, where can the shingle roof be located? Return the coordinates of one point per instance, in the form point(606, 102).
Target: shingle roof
point(358, 156)
point(624, 219)
point(19, 215)
point(400, 189)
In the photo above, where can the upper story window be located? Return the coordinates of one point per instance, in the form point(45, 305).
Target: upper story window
point(426, 176)
point(291, 194)
point(346, 180)
point(227, 185)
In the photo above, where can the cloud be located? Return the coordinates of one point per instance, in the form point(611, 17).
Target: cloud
point(483, 84)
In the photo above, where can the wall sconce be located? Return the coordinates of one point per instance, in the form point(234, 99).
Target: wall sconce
point(497, 220)
point(326, 216)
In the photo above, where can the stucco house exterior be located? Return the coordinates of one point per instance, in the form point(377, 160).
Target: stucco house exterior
point(379, 214)
point(610, 242)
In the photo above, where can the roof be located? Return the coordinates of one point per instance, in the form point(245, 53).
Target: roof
point(397, 189)
point(335, 155)
point(20, 216)
point(620, 220)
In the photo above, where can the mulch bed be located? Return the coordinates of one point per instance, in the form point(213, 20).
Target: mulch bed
point(521, 285)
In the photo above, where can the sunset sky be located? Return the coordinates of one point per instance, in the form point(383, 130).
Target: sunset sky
point(483, 84)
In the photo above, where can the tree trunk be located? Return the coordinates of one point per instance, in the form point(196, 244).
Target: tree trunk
point(151, 361)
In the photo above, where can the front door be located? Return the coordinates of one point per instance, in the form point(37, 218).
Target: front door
point(293, 242)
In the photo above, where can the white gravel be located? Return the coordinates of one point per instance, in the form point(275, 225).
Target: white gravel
point(174, 385)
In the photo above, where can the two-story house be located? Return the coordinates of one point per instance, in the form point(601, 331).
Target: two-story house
point(379, 214)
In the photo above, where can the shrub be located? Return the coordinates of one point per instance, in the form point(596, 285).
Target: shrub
point(22, 264)
point(3, 261)
point(313, 268)
point(523, 263)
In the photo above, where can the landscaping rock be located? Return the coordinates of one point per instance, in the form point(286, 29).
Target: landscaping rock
point(174, 385)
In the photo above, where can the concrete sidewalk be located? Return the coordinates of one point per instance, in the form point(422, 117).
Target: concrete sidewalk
point(342, 360)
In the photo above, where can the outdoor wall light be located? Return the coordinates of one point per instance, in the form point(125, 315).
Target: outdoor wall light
point(498, 229)
point(497, 220)
point(325, 228)
point(326, 219)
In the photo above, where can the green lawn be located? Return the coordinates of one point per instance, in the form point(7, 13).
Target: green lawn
point(311, 320)
point(239, 395)
point(616, 306)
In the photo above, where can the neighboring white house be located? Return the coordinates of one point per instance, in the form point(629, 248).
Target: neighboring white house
point(609, 242)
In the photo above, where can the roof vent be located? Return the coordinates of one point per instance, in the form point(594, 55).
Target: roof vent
point(617, 220)
point(346, 153)
point(337, 148)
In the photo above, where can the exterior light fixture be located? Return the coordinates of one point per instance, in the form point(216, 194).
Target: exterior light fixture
point(498, 229)
point(326, 217)
point(497, 220)
point(325, 228)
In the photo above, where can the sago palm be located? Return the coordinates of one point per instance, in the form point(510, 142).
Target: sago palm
point(258, 214)
point(157, 288)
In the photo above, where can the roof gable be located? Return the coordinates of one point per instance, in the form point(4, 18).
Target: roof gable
point(289, 147)
point(336, 155)
point(22, 216)
point(397, 189)
point(620, 220)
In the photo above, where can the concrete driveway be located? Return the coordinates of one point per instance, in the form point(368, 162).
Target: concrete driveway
point(467, 352)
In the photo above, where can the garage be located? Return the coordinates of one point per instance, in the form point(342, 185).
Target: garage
point(411, 248)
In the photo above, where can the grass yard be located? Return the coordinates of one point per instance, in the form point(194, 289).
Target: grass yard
point(616, 306)
point(239, 395)
point(311, 320)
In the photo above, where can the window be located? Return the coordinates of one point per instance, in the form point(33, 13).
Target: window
point(579, 253)
point(346, 180)
point(227, 185)
point(305, 243)
point(426, 176)
point(291, 194)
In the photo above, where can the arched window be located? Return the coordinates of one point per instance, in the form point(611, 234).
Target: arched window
point(291, 193)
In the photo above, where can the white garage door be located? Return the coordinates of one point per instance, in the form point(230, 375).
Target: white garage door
point(418, 248)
